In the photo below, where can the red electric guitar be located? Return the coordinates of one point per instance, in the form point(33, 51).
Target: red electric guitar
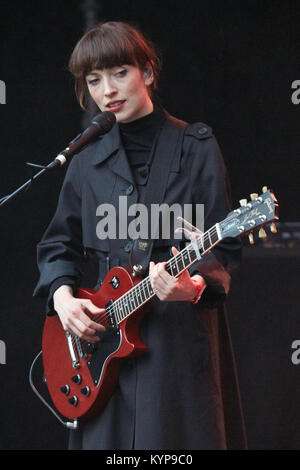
point(81, 376)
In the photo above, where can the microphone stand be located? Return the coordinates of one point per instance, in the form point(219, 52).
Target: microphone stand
point(57, 162)
point(100, 124)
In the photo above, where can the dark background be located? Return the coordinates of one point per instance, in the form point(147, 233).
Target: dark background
point(230, 64)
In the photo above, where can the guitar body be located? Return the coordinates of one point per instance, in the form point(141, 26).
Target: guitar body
point(81, 377)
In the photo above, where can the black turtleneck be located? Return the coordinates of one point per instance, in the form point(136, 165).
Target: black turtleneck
point(138, 138)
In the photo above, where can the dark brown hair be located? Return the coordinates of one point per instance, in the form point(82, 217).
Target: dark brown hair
point(111, 44)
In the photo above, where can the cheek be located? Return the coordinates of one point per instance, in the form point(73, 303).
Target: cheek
point(96, 94)
point(136, 92)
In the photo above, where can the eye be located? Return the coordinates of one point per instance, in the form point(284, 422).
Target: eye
point(93, 81)
point(121, 73)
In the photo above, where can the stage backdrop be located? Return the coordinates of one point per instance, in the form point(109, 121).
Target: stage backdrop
point(234, 65)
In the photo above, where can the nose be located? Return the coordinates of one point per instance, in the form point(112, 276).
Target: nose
point(109, 87)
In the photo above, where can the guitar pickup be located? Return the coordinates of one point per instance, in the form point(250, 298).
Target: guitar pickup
point(110, 315)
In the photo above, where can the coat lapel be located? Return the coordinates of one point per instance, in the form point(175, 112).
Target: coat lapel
point(111, 147)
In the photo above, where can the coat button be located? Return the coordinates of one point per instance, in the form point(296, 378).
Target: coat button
point(127, 247)
point(202, 130)
point(129, 190)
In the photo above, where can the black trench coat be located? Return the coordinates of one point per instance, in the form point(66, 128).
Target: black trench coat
point(183, 393)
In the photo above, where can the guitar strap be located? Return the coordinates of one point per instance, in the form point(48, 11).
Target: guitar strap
point(166, 151)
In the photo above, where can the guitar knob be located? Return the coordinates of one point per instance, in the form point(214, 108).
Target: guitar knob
point(77, 379)
point(65, 389)
point(264, 189)
point(251, 238)
point(273, 228)
point(73, 400)
point(137, 270)
point(262, 233)
point(85, 391)
point(243, 202)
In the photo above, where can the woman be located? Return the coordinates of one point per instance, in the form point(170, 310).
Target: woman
point(174, 396)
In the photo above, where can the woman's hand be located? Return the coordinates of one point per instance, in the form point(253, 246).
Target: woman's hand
point(75, 314)
point(169, 288)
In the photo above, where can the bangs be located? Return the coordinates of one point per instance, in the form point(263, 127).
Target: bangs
point(106, 51)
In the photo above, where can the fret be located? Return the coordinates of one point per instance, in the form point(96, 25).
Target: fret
point(149, 288)
point(122, 308)
point(116, 312)
point(189, 253)
point(184, 259)
point(178, 270)
point(139, 293)
point(192, 253)
point(143, 291)
point(126, 306)
point(206, 244)
point(215, 236)
point(132, 299)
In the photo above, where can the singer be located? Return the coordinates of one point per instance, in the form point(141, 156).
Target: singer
point(183, 392)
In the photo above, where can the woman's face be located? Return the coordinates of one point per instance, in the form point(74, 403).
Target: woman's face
point(122, 90)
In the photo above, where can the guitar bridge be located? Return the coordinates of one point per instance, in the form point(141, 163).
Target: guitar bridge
point(72, 350)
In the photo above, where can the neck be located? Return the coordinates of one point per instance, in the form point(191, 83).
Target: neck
point(142, 292)
point(146, 109)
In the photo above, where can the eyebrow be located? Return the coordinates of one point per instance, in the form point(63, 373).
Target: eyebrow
point(92, 73)
point(107, 68)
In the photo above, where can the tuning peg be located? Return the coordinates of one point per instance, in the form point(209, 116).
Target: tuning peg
point(264, 189)
point(273, 228)
point(262, 233)
point(253, 196)
point(251, 238)
point(243, 202)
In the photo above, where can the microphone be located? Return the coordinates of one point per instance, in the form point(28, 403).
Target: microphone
point(100, 124)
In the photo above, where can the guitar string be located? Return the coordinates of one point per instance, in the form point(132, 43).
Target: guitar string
point(121, 304)
point(172, 263)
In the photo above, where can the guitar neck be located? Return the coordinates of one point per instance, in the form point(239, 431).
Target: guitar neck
point(142, 292)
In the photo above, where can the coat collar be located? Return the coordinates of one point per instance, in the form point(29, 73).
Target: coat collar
point(110, 147)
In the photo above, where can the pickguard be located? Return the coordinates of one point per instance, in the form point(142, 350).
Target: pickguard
point(110, 341)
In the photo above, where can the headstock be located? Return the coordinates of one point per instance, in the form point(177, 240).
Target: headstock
point(256, 213)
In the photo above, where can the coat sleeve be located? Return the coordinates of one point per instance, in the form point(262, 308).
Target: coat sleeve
point(211, 188)
point(60, 251)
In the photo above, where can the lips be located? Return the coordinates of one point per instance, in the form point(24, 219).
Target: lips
point(115, 104)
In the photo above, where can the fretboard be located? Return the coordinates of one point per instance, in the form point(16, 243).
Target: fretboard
point(142, 292)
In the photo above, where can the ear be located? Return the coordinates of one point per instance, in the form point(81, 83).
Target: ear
point(148, 76)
